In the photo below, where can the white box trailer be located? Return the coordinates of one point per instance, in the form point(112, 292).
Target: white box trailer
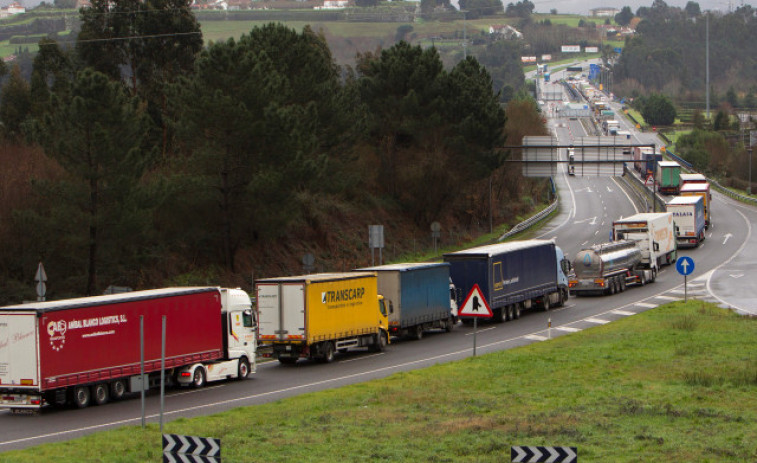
point(655, 234)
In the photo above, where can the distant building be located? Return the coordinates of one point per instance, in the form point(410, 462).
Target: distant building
point(11, 10)
point(604, 12)
point(333, 5)
point(506, 31)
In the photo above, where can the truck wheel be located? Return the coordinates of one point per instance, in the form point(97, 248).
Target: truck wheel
point(117, 389)
point(622, 284)
point(198, 380)
point(288, 360)
point(82, 396)
point(499, 315)
point(449, 324)
point(380, 342)
point(101, 393)
point(516, 311)
point(418, 333)
point(328, 352)
point(508, 312)
point(546, 305)
point(243, 370)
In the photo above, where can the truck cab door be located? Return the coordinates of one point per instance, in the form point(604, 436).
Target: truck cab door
point(241, 332)
point(383, 315)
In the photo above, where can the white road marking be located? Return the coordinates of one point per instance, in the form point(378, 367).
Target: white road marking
point(668, 298)
point(598, 321)
point(481, 331)
point(622, 312)
point(569, 329)
point(535, 337)
point(647, 305)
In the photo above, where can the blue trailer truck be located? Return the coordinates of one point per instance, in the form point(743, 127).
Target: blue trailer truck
point(512, 276)
point(417, 297)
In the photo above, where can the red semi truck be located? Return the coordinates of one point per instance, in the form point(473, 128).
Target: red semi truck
point(87, 349)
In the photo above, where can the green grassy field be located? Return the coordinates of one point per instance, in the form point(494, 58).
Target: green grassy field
point(676, 383)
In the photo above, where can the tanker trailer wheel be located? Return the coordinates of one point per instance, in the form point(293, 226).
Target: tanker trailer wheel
point(611, 286)
point(327, 355)
point(243, 370)
point(101, 393)
point(117, 389)
point(622, 284)
point(198, 380)
point(82, 396)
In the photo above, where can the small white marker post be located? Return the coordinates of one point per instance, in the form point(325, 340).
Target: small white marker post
point(549, 328)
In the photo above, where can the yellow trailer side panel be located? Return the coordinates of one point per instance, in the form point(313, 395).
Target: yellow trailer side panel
point(341, 308)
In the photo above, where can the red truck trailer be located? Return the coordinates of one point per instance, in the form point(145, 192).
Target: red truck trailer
point(88, 349)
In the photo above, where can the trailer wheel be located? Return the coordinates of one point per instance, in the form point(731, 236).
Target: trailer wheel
point(499, 315)
point(82, 396)
point(243, 370)
point(622, 284)
point(101, 393)
point(449, 324)
point(117, 389)
point(418, 333)
point(198, 380)
point(328, 352)
point(546, 305)
point(508, 312)
point(516, 311)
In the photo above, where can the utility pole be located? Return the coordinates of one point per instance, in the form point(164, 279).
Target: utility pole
point(707, 62)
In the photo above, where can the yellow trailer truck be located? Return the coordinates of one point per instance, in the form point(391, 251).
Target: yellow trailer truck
point(313, 316)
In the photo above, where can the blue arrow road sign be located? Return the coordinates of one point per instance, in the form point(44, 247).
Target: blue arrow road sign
point(685, 265)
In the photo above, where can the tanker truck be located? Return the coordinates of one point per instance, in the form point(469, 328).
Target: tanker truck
point(608, 268)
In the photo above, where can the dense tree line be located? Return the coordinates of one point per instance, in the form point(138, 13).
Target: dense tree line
point(155, 157)
point(667, 53)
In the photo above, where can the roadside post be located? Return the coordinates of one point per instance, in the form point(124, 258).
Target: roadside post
point(685, 266)
point(475, 306)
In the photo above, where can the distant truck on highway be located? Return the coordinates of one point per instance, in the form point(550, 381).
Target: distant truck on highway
point(314, 316)
point(87, 350)
point(417, 297)
point(668, 177)
point(655, 235)
point(512, 276)
point(700, 189)
point(688, 214)
point(609, 268)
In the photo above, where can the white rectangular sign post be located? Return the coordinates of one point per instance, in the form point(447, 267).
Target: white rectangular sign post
point(475, 306)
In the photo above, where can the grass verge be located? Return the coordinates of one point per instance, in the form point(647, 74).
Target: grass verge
point(677, 383)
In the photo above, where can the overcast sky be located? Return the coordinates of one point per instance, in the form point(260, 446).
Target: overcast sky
point(562, 6)
point(583, 6)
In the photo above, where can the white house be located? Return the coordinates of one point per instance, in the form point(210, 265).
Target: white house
point(506, 31)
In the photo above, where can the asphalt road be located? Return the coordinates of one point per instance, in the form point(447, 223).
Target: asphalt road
point(587, 208)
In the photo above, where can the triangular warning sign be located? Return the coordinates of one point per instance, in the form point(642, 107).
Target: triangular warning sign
point(475, 304)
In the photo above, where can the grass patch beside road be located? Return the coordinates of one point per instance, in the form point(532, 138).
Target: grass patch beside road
point(676, 383)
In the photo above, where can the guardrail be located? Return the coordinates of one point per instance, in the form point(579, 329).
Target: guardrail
point(530, 221)
point(732, 194)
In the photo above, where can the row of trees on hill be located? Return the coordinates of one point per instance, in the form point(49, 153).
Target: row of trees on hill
point(668, 55)
point(160, 156)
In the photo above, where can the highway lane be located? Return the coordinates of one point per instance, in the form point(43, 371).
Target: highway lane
point(584, 216)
